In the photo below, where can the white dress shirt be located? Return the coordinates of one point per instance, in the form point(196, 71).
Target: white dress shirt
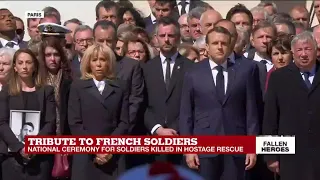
point(311, 76)
point(258, 58)
point(180, 7)
point(153, 19)
point(214, 71)
point(4, 43)
point(164, 63)
point(0, 87)
point(100, 85)
point(164, 66)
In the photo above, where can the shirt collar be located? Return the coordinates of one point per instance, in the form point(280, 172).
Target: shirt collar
point(259, 58)
point(153, 18)
point(214, 65)
point(4, 41)
point(312, 72)
point(96, 82)
point(173, 57)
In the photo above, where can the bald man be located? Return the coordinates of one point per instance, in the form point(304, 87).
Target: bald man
point(184, 29)
point(300, 14)
point(208, 19)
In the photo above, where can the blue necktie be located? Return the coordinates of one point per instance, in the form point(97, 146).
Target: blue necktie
point(306, 76)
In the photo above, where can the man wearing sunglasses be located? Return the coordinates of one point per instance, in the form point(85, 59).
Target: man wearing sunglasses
point(20, 31)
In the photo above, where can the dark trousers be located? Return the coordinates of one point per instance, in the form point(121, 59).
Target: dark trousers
point(38, 168)
point(223, 167)
point(261, 172)
point(175, 159)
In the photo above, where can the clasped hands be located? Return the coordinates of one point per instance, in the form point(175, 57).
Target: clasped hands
point(102, 158)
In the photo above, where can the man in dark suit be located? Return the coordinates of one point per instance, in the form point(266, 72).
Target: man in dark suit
point(218, 98)
point(162, 8)
point(184, 6)
point(163, 80)
point(8, 36)
point(83, 38)
point(292, 108)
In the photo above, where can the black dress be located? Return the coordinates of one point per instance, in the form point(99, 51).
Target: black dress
point(38, 168)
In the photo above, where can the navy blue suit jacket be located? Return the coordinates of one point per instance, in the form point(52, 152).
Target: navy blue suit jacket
point(201, 113)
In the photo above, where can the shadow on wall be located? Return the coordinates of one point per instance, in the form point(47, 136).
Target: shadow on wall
point(286, 6)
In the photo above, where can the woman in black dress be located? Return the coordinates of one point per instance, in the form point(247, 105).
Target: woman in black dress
point(25, 91)
point(98, 105)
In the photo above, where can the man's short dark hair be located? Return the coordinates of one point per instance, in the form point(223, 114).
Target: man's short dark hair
point(228, 21)
point(166, 21)
point(164, 2)
point(262, 25)
point(104, 24)
point(289, 24)
point(51, 10)
point(18, 19)
point(73, 20)
point(106, 5)
point(240, 8)
point(218, 29)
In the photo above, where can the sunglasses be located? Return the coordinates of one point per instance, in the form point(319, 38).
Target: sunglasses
point(19, 31)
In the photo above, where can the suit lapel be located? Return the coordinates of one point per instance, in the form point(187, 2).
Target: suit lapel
point(108, 90)
point(295, 70)
point(177, 68)
point(157, 68)
point(207, 78)
point(231, 78)
point(316, 80)
point(92, 89)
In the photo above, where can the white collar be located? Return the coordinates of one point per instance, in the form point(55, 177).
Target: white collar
point(173, 57)
point(259, 58)
point(312, 72)
point(97, 83)
point(4, 41)
point(153, 18)
point(214, 65)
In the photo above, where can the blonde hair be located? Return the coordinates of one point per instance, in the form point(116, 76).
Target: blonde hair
point(93, 52)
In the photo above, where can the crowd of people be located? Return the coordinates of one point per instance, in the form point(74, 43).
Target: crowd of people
point(183, 70)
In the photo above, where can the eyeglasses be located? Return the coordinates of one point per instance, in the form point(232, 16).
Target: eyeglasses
point(19, 31)
point(82, 41)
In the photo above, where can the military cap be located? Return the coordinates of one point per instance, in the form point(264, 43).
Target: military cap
point(52, 29)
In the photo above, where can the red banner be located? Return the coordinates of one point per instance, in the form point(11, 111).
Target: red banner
point(140, 144)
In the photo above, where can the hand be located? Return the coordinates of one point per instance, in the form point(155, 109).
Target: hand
point(102, 158)
point(192, 161)
point(251, 160)
point(274, 166)
point(166, 131)
point(23, 154)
